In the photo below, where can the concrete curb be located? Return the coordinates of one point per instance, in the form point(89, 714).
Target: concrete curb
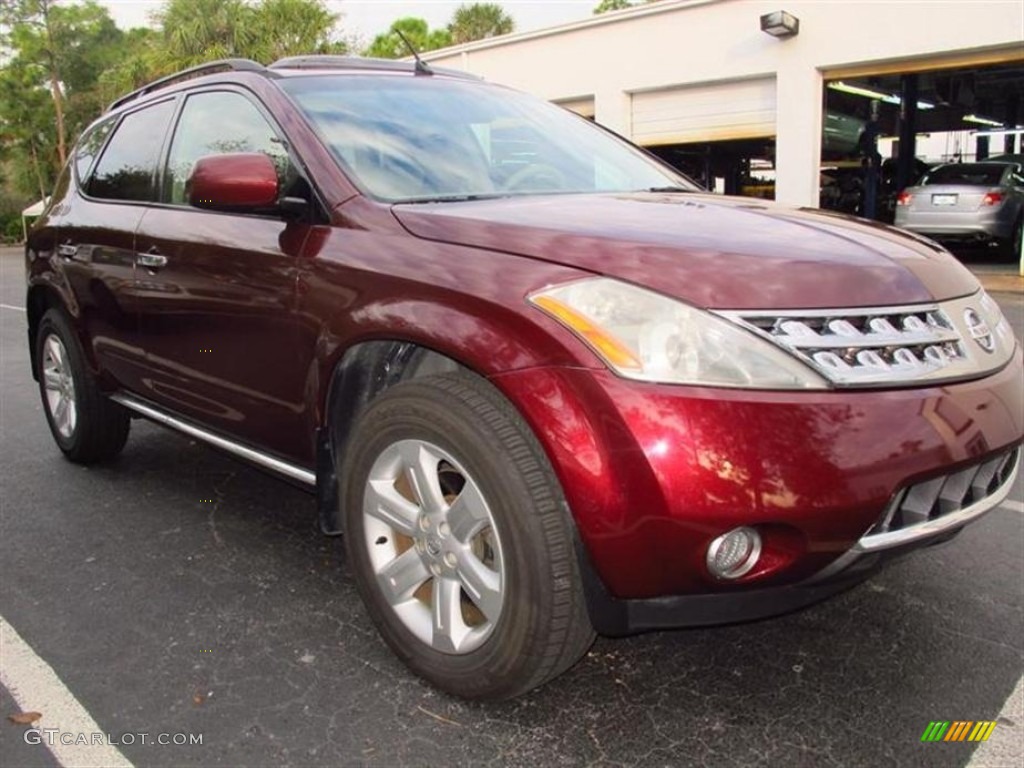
point(1001, 283)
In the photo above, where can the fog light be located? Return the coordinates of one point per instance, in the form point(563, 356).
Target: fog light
point(733, 554)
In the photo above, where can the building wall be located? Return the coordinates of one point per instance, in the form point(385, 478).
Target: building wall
point(684, 42)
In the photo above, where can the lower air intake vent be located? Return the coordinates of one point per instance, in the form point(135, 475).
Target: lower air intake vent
point(941, 497)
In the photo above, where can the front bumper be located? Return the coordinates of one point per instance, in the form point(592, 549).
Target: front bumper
point(653, 473)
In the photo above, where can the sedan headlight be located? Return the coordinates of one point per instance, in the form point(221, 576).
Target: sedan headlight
point(649, 337)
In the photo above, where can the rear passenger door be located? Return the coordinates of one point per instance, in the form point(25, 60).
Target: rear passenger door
point(96, 241)
point(217, 289)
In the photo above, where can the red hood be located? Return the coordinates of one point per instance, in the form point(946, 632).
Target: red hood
point(724, 253)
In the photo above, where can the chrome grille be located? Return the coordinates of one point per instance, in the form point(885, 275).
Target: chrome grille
point(939, 497)
point(891, 345)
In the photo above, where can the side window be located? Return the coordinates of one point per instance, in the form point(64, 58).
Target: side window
point(215, 123)
point(89, 147)
point(126, 169)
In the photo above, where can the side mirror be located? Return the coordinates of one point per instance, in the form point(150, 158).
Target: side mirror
point(239, 181)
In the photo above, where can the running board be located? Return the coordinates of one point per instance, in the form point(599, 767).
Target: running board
point(291, 471)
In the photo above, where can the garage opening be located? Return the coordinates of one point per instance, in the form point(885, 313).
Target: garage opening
point(720, 134)
point(883, 132)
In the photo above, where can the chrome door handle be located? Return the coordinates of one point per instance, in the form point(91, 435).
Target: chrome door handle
point(151, 260)
point(67, 250)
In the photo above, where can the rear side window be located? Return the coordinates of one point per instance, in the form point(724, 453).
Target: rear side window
point(89, 147)
point(971, 174)
point(126, 169)
point(214, 123)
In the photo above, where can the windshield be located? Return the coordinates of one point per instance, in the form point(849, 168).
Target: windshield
point(972, 174)
point(413, 139)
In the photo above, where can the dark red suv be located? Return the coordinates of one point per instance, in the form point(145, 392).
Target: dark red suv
point(543, 384)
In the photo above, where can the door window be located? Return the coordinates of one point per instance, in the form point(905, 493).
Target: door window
point(218, 122)
point(89, 147)
point(128, 165)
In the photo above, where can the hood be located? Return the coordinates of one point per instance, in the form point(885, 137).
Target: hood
point(713, 252)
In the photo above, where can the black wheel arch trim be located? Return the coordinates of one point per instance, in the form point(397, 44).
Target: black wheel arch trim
point(365, 371)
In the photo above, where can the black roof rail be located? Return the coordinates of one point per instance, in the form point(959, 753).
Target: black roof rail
point(359, 63)
point(209, 68)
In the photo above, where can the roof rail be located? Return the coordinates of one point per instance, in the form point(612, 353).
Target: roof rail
point(360, 63)
point(210, 68)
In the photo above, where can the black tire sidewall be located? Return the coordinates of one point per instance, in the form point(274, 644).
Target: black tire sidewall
point(486, 671)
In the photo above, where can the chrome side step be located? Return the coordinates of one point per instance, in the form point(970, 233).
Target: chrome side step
point(292, 471)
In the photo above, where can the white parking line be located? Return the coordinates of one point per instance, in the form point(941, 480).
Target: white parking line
point(36, 687)
point(1006, 745)
point(1013, 506)
point(11, 306)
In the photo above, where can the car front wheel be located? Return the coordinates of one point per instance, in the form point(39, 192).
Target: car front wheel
point(458, 537)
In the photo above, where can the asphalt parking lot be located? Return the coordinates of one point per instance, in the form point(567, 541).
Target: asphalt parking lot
point(177, 591)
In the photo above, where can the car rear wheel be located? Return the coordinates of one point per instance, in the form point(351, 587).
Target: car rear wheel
point(1012, 246)
point(87, 426)
point(459, 541)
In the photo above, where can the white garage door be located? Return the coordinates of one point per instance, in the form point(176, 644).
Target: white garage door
point(584, 107)
point(743, 109)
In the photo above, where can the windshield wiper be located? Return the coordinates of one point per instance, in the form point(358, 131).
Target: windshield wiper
point(668, 189)
point(452, 198)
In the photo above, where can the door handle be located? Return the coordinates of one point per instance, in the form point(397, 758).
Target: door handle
point(151, 259)
point(67, 250)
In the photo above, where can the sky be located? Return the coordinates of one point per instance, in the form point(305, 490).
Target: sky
point(369, 17)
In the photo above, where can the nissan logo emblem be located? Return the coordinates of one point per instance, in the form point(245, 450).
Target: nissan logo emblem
point(979, 330)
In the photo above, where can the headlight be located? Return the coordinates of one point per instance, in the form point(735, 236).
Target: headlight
point(997, 320)
point(646, 336)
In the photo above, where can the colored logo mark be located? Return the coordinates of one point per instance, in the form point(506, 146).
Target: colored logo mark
point(958, 730)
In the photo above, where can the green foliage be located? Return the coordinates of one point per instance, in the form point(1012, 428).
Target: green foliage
point(390, 46)
point(618, 5)
point(194, 31)
point(63, 63)
point(53, 56)
point(478, 21)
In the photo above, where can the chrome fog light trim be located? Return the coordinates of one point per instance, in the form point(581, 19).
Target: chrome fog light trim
point(734, 553)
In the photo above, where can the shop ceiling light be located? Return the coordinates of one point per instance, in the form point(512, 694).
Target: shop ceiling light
point(888, 98)
point(982, 120)
point(780, 24)
point(1000, 132)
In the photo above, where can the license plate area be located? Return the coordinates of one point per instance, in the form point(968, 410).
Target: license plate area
point(944, 199)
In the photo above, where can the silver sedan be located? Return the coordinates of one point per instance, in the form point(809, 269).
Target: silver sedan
point(967, 202)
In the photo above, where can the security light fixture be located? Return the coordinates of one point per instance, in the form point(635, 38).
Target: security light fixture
point(780, 24)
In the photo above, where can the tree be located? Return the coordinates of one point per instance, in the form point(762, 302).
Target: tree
point(63, 63)
point(479, 21)
point(612, 5)
point(618, 5)
point(53, 56)
point(390, 46)
point(195, 31)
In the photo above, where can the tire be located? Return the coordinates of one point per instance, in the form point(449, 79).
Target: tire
point(1011, 248)
point(491, 522)
point(86, 426)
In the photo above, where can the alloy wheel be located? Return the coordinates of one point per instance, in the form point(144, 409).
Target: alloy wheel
point(60, 386)
point(433, 546)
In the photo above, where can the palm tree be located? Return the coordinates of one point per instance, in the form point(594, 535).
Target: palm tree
point(388, 45)
point(479, 20)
